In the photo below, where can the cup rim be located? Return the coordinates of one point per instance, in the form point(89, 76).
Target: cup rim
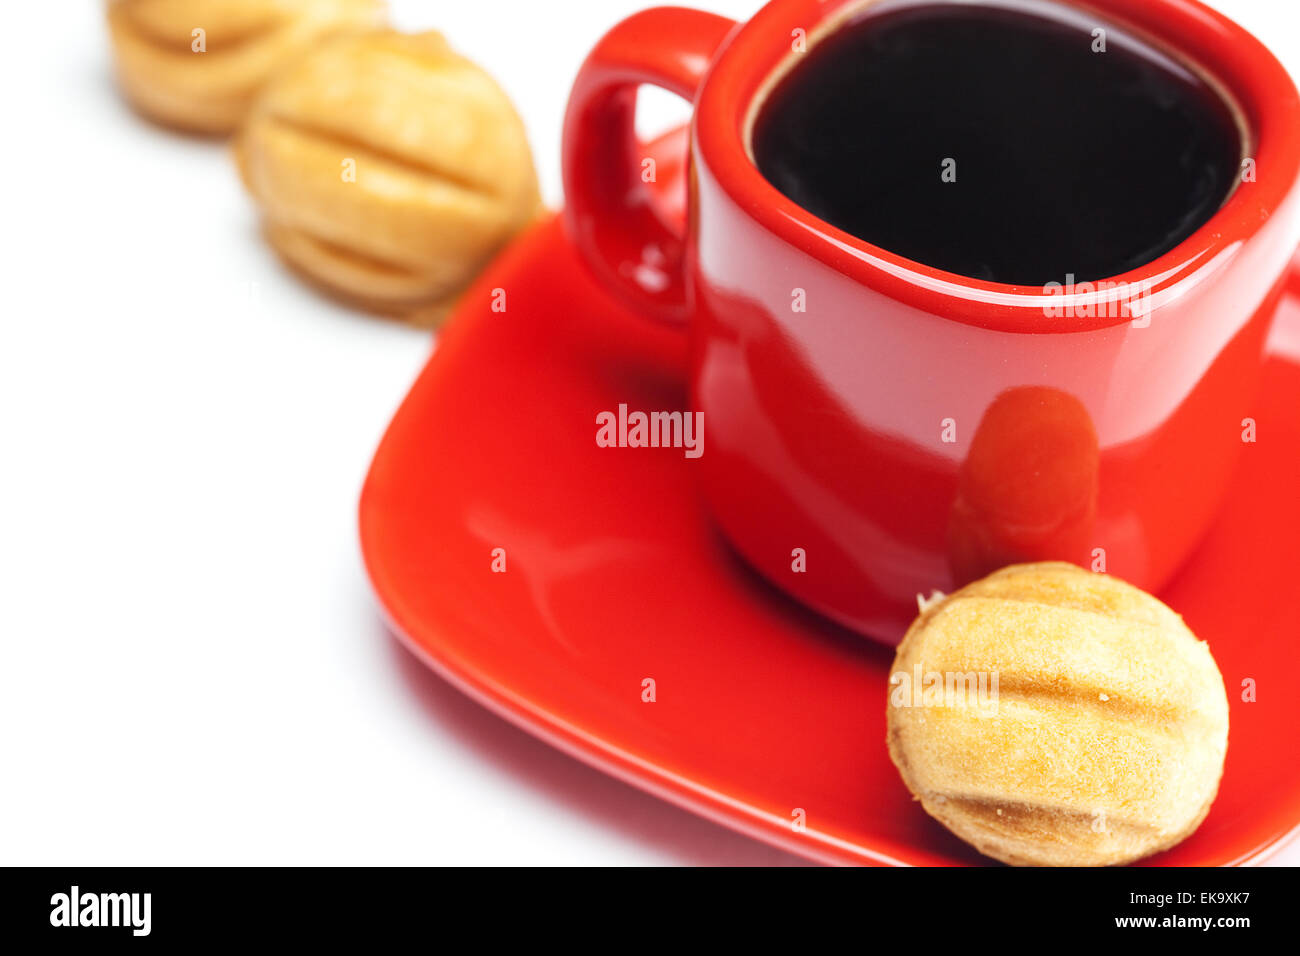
point(1254, 84)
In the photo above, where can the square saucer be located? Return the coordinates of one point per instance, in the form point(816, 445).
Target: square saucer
point(764, 717)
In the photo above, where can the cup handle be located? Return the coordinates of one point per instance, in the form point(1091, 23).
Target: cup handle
point(610, 212)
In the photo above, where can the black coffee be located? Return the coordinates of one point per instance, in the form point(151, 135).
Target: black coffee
point(997, 143)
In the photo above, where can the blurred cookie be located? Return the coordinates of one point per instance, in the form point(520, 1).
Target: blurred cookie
point(197, 64)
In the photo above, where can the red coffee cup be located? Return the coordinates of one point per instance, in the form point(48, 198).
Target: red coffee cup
point(912, 429)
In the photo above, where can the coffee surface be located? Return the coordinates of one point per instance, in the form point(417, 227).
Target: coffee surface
point(999, 143)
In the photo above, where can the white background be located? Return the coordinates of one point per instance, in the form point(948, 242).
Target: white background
point(192, 669)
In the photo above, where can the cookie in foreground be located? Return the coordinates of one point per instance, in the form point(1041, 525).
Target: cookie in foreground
point(1051, 716)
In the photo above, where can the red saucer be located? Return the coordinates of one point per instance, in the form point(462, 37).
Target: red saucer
point(614, 574)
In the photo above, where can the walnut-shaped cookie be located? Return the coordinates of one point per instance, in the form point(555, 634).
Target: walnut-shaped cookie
point(1051, 716)
point(389, 170)
point(197, 64)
